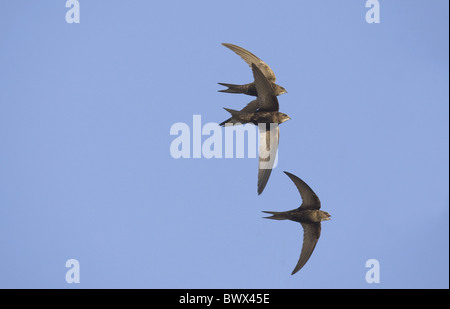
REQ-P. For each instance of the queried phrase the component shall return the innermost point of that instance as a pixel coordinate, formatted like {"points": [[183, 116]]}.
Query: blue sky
{"points": [[86, 171]]}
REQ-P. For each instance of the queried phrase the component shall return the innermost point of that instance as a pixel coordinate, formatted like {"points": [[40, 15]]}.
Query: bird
{"points": [[308, 215], [250, 89], [263, 112]]}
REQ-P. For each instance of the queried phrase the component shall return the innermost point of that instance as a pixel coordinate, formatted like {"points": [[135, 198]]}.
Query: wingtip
{"points": [[295, 270], [290, 175], [260, 190], [227, 45]]}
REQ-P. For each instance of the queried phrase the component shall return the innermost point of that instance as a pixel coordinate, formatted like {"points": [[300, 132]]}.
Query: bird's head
{"points": [[324, 216], [280, 90], [283, 117]]}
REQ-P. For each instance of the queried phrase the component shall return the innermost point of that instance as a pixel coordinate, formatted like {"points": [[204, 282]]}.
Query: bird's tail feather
{"points": [[233, 112], [237, 117], [229, 120], [231, 88], [277, 215]]}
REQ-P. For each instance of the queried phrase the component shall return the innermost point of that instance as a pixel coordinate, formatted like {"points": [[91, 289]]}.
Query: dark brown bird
{"points": [[264, 113], [308, 215], [250, 89]]}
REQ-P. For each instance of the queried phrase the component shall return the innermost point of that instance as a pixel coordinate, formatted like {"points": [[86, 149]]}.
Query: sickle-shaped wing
{"points": [[310, 199], [311, 234], [268, 146], [267, 99], [250, 58]]}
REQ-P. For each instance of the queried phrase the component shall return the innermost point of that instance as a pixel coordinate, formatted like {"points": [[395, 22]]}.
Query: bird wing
{"points": [[266, 96], [251, 107], [311, 234], [310, 199], [268, 146], [250, 58]]}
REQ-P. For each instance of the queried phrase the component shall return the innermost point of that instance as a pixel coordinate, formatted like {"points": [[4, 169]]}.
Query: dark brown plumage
{"points": [[308, 215], [264, 113], [251, 89]]}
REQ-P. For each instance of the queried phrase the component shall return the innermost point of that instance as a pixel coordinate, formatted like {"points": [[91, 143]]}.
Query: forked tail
{"points": [[277, 215], [232, 88]]}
